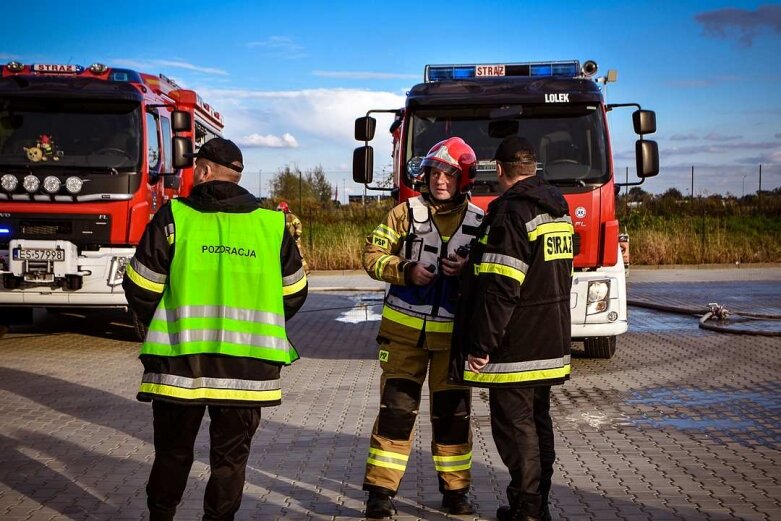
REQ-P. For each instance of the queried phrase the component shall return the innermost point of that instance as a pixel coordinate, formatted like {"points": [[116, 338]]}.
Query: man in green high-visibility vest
{"points": [[214, 279]]}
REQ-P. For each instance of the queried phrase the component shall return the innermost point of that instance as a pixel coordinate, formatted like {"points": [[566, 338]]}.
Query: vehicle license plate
{"points": [[39, 254]]}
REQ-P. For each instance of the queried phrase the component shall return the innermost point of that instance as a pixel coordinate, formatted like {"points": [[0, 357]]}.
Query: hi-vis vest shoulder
{"points": [[223, 297], [430, 308]]}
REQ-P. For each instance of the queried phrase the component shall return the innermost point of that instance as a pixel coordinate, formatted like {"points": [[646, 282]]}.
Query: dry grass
{"points": [[333, 239]]}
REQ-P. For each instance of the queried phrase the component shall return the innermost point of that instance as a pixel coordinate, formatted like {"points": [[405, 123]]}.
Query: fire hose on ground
{"points": [[714, 316]]}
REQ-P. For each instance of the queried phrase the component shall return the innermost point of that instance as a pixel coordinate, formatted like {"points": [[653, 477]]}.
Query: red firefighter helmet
{"points": [[453, 156], [283, 207]]}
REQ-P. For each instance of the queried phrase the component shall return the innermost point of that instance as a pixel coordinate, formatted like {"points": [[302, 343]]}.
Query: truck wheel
{"points": [[600, 346], [138, 326]]}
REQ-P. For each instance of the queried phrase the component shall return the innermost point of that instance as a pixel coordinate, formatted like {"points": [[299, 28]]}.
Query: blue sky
{"points": [[290, 77]]}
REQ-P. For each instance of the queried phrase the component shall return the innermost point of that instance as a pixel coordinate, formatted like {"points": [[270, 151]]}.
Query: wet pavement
{"points": [[682, 423]]}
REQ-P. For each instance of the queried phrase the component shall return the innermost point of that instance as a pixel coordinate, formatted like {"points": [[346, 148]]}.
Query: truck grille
{"points": [[46, 229]]}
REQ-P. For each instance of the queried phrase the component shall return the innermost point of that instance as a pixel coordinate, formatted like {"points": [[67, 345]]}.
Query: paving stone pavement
{"points": [[681, 424]]}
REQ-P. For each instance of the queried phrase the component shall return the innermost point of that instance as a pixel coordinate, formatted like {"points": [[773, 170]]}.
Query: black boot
{"points": [[456, 503], [523, 507], [379, 506], [506, 513], [545, 512]]}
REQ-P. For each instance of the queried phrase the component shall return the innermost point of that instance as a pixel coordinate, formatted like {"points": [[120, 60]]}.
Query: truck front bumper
{"points": [[52, 282]]}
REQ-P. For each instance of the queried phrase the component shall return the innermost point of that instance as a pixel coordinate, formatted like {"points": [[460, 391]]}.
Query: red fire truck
{"points": [[560, 109], [87, 156]]}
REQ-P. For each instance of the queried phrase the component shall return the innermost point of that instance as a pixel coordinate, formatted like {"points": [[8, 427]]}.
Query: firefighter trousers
{"points": [[404, 369], [175, 429], [523, 432]]}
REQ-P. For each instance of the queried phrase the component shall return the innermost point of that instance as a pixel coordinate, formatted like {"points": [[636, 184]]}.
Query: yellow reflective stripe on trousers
{"points": [[500, 269], [142, 282], [432, 326], [526, 376], [212, 394], [453, 463], [389, 460]]}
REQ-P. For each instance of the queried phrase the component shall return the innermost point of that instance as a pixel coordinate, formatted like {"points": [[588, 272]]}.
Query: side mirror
{"points": [[644, 121], [363, 164], [364, 128], [181, 121], [647, 155], [181, 147]]}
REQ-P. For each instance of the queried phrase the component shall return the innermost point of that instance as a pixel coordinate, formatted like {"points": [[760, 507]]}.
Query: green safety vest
{"points": [[223, 297]]}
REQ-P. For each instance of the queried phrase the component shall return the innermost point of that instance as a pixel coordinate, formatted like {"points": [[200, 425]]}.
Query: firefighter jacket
{"points": [[419, 231], [294, 226], [214, 279], [514, 300]]}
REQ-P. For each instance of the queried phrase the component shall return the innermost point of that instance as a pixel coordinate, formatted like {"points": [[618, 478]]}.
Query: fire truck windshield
{"points": [[70, 133], [570, 141]]}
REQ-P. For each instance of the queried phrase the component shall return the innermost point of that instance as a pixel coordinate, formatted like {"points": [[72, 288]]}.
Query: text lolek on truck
{"points": [[559, 107], [87, 156]]}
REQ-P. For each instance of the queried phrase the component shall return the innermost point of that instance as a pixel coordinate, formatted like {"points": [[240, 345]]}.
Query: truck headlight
{"points": [[597, 296], [73, 184], [31, 183], [117, 273], [52, 184], [9, 182]]}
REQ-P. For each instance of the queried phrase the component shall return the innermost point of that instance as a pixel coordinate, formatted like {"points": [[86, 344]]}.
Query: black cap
{"points": [[221, 151], [515, 149]]}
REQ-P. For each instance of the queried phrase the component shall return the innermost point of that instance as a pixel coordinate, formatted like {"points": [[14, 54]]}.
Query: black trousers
{"points": [[523, 432], [175, 429]]}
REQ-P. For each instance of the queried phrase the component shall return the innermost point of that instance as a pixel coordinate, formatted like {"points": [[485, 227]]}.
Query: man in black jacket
{"points": [[512, 330], [213, 279]]}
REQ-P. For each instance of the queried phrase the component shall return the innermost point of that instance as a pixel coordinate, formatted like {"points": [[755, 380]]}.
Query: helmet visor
{"points": [[432, 163]]}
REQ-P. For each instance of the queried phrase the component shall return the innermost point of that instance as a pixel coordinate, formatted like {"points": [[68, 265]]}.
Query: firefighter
{"points": [[215, 312], [513, 336], [415, 251], [295, 228]]}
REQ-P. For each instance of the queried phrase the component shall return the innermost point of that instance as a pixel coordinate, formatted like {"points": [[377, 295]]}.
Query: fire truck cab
{"points": [[560, 109], [87, 156]]}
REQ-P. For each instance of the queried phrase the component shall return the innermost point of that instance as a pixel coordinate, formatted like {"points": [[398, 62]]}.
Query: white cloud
{"points": [[176, 64], [683, 137], [364, 75], [327, 114], [715, 136], [280, 47], [268, 141]]}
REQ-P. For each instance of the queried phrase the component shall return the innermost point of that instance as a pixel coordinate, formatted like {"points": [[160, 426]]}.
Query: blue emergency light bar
{"points": [[5, 231], [495, 70]]}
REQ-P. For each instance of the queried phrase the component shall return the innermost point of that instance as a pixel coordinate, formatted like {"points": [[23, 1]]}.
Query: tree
{"points": [[311, 188], [285, 184], [672, 194], [637, 194], [320, 187]]}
